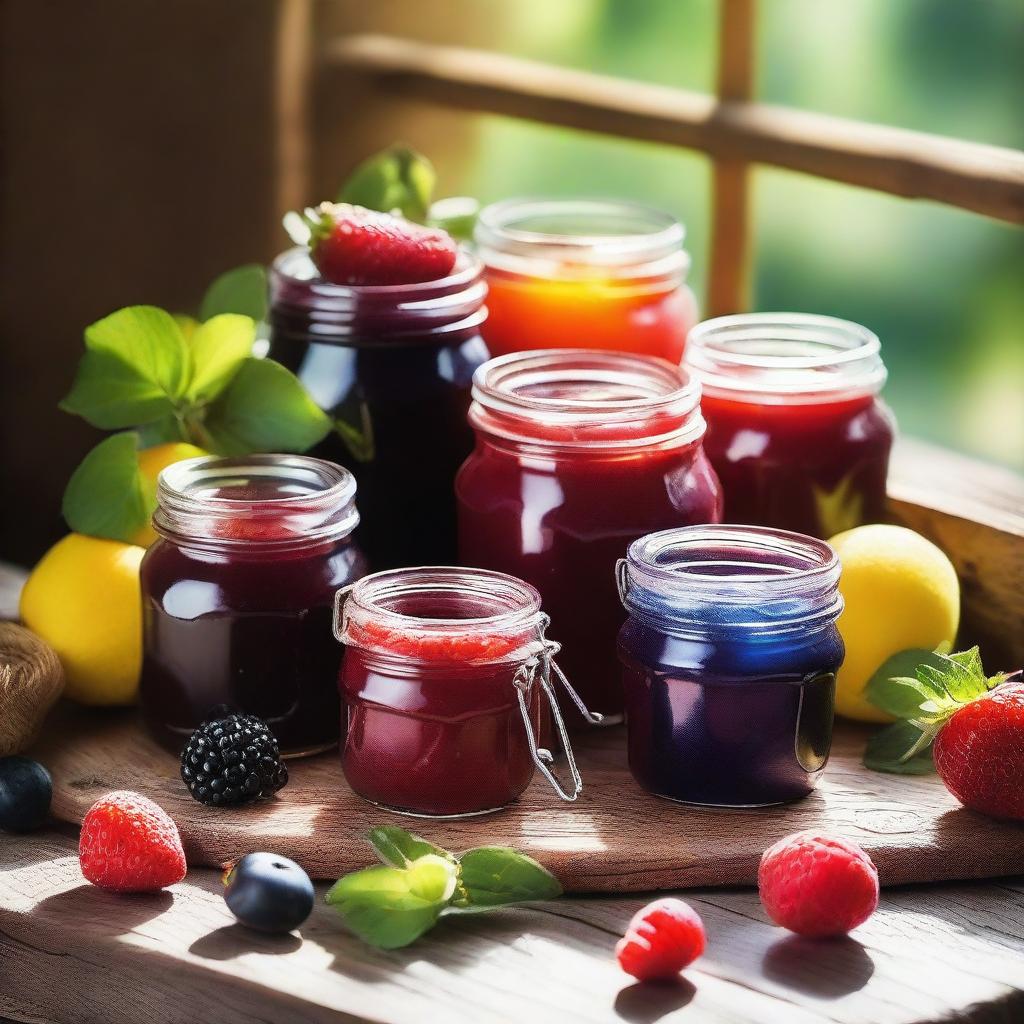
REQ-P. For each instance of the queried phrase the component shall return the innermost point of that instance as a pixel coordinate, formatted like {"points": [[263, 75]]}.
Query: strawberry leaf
{"points": [[895, 689], [135, 368], [398, 178], [264, 408], [219, 346], [242, 290], [900, 749], [107, 495]]}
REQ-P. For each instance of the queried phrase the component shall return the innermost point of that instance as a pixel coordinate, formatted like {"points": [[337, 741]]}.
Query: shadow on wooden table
{"points": [[647, 1002], [822, 968]]}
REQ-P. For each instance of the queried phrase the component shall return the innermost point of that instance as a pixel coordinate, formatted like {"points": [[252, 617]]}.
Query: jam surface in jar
{"points": [[578, 454], [392, 365], [238, 594], [434, 723], [796, 432], [585, 274], [729, 657]]}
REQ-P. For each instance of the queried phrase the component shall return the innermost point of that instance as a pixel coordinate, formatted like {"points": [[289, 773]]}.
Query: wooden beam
{"points": [[292, 90], [985, 179], [728, 286]]}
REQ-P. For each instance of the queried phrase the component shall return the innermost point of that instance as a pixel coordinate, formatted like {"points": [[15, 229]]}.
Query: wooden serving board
{"points": [[615, 838]]}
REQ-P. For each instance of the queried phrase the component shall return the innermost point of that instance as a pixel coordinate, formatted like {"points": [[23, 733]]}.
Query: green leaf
{"points": [[960, 675], [399, 848], [457, 215], [219, 346], [169, 428], [896, 688], [136, 366], [107, 496], [900, 749], [399, 179], [264, 408], [494, 876], [391, 907], [358, 440], [242, 290]]}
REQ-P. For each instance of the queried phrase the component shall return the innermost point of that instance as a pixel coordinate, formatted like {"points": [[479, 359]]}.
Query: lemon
{"points": [[83, 599], [151, 462], [901, 591]]}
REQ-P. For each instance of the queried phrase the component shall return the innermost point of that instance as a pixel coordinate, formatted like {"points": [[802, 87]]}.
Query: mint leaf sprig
{"points": [[923, 690], [392, 904]]}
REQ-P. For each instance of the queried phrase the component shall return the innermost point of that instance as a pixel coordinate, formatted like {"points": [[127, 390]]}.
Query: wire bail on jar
{"points": [[537, 669]]}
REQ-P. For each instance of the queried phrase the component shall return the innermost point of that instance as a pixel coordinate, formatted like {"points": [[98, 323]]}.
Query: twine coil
{"points": [[31, 680]]}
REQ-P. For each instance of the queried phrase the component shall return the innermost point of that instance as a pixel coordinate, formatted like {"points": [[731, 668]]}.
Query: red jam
{"points": [[795, 431], [434, 725], [579, 454], [584, 274], [238, 592]]}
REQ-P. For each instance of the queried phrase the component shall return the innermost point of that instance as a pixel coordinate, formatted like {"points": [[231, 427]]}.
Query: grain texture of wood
{"points": [[975, 513], [615, 838], [729, 285], [973, 176], [72, 954]]}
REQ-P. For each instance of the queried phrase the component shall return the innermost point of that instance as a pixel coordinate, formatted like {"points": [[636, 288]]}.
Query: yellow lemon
{"points": [[151, 462], [901, 591], [83, 599]]}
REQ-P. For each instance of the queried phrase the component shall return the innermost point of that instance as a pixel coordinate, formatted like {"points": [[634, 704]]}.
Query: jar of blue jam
{"points": [[729, 658]]}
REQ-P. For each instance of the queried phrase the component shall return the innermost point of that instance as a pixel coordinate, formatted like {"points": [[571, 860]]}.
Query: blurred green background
{"points": [[943, 289]]}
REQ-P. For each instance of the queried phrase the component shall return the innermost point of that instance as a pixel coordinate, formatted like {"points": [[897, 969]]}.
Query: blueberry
{"points": [[25, 793], [269, 893]]}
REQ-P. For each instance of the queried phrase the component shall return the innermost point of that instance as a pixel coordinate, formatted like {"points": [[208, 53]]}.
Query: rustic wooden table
{"points": [[72, 953]]}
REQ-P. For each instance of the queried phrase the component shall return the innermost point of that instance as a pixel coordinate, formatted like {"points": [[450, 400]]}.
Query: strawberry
{"points": [[973, 723], [979, 753], [353, 245], [817, 885], [129, 844], [662, 938]]}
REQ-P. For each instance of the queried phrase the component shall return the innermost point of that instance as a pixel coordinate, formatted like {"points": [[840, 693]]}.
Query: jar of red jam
{"points": [[578, 454], [238, 592], [392, 365], [796, 430], [442, 680], [585, 274]]}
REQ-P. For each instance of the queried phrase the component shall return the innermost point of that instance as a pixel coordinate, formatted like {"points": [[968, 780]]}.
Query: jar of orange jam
{"points": [[595, 274]]}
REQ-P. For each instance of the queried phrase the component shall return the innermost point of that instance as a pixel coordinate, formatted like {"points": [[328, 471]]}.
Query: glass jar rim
{"points": [[554, 238], [321, 507], [301, 300], [532, 389], [786, 580], [785, 357]]}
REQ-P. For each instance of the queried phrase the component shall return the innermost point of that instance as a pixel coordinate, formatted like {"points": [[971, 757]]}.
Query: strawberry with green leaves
{"points": [[355, 246], [971, 725]]}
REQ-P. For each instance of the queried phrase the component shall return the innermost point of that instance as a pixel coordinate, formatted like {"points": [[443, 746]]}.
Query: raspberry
{"points": [[352, 245], [129, 844], [817, 885], [662, 939]]}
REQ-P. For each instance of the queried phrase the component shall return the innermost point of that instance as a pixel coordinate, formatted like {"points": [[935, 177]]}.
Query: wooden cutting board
{"points": [[615, 838]]}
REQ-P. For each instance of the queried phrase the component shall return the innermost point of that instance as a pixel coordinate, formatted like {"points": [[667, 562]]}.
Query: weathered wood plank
{"points": [[615, 838], [71, 953], [986, 179]]}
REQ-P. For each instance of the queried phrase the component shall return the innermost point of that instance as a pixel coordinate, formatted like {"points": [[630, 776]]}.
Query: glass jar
{"points": [[593, 274], [796, 431], [237, 596], [441, 681], [729, 658], [392, 366], [578, 454]]}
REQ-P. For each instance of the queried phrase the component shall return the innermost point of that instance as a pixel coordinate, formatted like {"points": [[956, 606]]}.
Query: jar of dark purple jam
{"points": [[729, 658], [238, 592], [393, 367]]}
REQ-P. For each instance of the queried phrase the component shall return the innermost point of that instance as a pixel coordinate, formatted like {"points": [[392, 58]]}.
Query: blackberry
{"points": [[232, 760]]}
